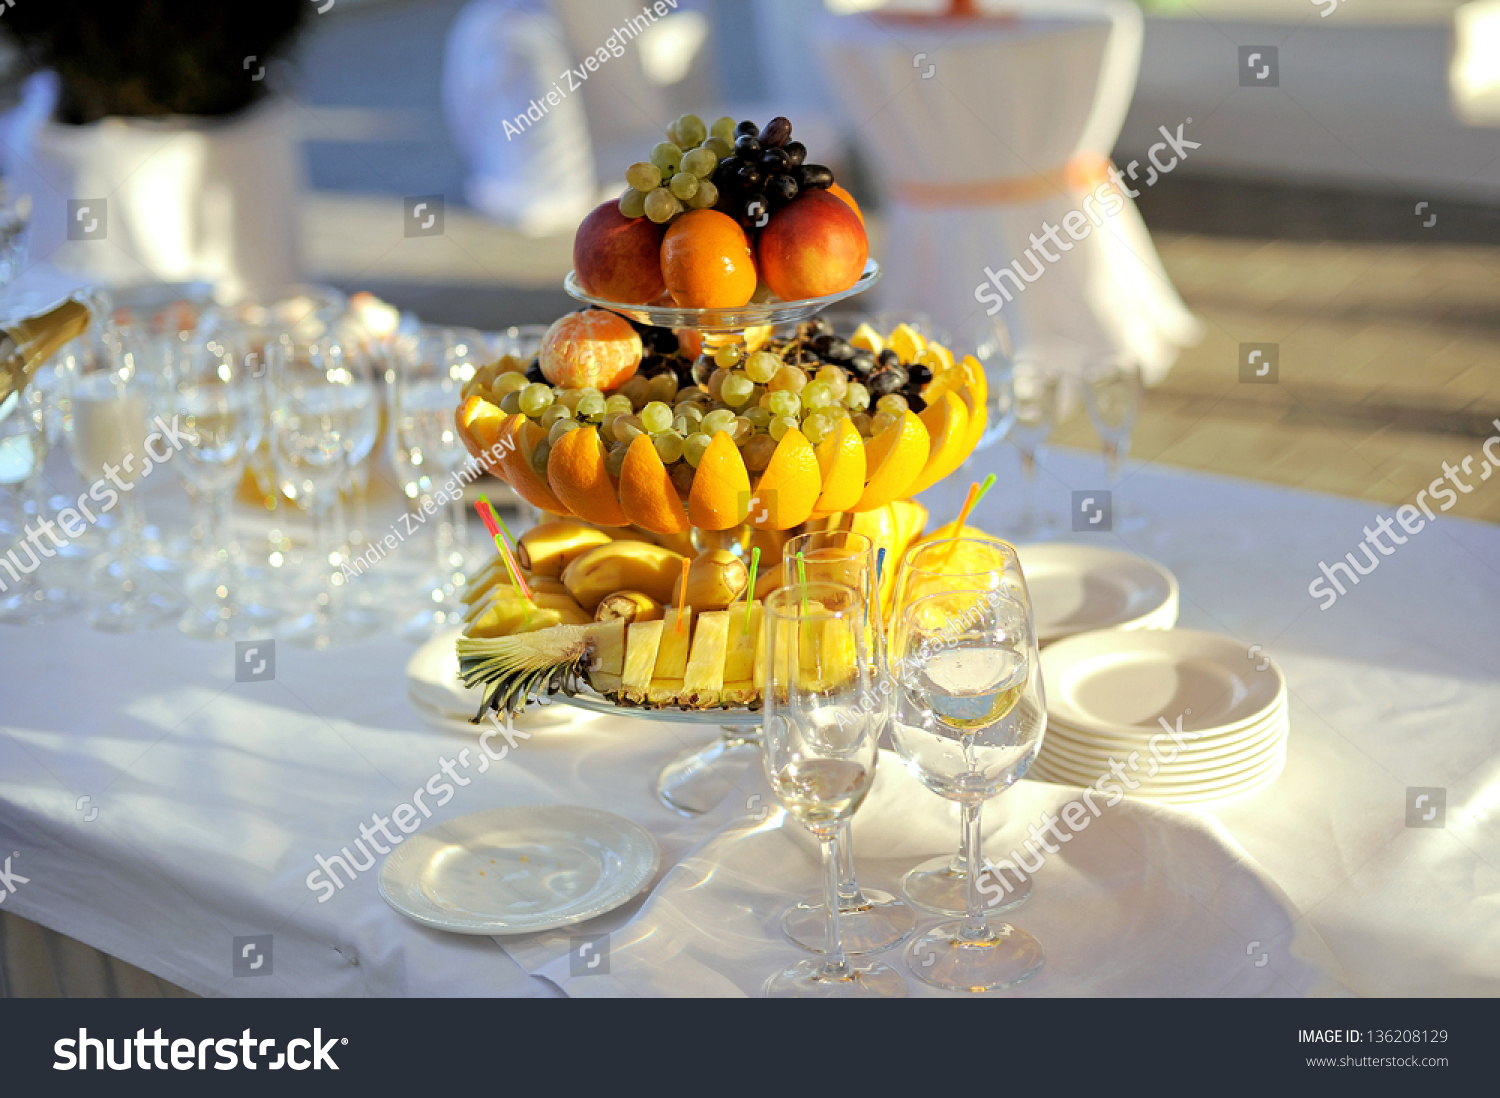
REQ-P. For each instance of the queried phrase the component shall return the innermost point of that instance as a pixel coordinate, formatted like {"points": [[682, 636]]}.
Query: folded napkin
{"points": [[1140, 899]]}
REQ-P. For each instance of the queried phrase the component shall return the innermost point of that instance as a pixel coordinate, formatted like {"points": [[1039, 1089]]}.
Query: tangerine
{"points": [[707, 262]]}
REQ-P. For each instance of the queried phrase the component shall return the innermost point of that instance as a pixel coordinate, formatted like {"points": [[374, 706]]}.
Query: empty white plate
{"points": [[1120, 683], [1081, 588], [518, 870], [437, 693]]}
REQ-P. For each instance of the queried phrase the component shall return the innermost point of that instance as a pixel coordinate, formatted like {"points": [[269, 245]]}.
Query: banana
{"points": [[622, 566], [629, 606], [715, 579], [503, 607], [493, 586], [547, 549]]}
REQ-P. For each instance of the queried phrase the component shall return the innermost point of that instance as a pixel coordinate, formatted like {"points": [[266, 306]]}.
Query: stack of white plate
{"points": [[1108, 694], [1081, 588]]}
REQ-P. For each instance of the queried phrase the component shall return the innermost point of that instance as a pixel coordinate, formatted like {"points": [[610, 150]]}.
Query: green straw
{"points": [[989, 482], [750, 591], [802, 580]]}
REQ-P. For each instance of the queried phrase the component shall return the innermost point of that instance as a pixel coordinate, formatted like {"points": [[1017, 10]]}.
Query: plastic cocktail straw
{"points": [[750, 590], [487, 516], [682, 598], [975, 491], [802, 580], [879, 566], [989, 482]]}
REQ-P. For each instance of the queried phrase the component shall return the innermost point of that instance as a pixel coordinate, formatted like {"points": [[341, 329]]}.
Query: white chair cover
{"points": [[1011, 130]]}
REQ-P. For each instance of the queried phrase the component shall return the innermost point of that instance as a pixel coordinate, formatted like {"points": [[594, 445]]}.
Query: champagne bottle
{"points": [[26, 344]]}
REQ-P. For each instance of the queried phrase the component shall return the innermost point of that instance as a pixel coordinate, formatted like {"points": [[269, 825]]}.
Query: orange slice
{"points": [[577, 474], [646, 493], [721, 486], [977, 381], [841, 466], [896, 457], [479, 423], [786, 492], [947, 424], [518, 438]]}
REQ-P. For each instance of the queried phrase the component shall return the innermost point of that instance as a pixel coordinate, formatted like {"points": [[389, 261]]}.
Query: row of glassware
{"points": [[281, 403]]}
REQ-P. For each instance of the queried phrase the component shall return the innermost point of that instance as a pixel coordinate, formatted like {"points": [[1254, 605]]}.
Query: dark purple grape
{"points": [[774, 161], [534, 371], [817, 326], [814, 177], [889, 357], [746, 127], [750, 177], [887, 380], [915, 402], [862, 364], [821, 341], [725, 170], [747, 148], [838, 350], [797, 151], [781, 189], [920, 375], [776, 132]]}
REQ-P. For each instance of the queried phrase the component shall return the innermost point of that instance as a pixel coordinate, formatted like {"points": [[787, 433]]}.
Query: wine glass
{"points": [[23, 453], [1033, 399], [820, 743], [1112, 392], [221, 411], [970, 715], [973, 562], [431, 366], [322, 397], [869, 919], [112, 385]]}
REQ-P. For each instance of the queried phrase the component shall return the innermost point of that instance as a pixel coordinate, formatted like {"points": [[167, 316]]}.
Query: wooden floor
{"points": [[1389, 367]]}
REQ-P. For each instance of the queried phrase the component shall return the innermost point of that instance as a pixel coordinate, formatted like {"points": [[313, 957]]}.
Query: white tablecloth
{"points": [[213, 797]]}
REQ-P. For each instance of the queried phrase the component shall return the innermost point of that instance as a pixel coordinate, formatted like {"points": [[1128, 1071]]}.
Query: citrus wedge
{"points": [[786, 492], [721, 486], [866, 338], [576, 472], [896, 457], [518, 438], [974, 372], [841, 467], [947, 423], [646, 493], [907, 342], [479, 423]]}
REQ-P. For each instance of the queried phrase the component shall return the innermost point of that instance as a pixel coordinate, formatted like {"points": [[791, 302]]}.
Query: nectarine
{"points": [[618, 258], [814, 245]]}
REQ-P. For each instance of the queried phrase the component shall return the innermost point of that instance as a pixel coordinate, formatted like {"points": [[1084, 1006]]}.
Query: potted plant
{"points": [[149, 142]]}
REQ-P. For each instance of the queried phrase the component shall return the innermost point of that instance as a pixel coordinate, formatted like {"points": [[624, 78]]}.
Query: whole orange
{"points": [[706, 261], [847, 198]]}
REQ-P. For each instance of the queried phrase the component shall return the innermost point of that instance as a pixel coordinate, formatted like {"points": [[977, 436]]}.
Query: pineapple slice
{"points": [[506, 616], [671, 657], [740, 686], [703, 680], [641, 643], [607, 665], [569, 612]]}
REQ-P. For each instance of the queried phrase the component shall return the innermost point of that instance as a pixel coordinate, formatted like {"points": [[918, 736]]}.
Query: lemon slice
{"points": [[907, 343], [866, 338]]}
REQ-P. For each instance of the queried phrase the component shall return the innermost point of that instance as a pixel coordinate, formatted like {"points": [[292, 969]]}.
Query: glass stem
{"points": [[960, 863], [216, 506], [834, 962], [1028, 481], [850, 898], [132, 532], [28, 579], [1112, 464], [974, 928], [325, 519]]}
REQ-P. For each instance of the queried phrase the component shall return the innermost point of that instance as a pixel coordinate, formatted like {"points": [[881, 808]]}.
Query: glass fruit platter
{"points": [[731, 321]]}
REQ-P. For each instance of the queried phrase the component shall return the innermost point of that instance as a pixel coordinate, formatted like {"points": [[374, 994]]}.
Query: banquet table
{"points": [[158, 809]]}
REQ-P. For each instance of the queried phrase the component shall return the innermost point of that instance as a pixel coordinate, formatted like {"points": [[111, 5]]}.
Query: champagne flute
{"points": [[970, 714], [323, 394], [431, 367], [978, 562], [111, 390], [869, 919], [1033, 411], [221, 411], [1112, 392], [23, 452], [820, 744]]}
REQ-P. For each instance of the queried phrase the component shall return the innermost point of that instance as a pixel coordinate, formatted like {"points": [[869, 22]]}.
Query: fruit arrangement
{"points": [[721, 216], [634, 619], [620, 424]]}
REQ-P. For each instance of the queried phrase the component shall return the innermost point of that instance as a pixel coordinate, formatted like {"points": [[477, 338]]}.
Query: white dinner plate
{"points": [[1201, 747], [1263, 773], [1185, 764], [1118, 683], [1081, 588], [519, 869]]}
